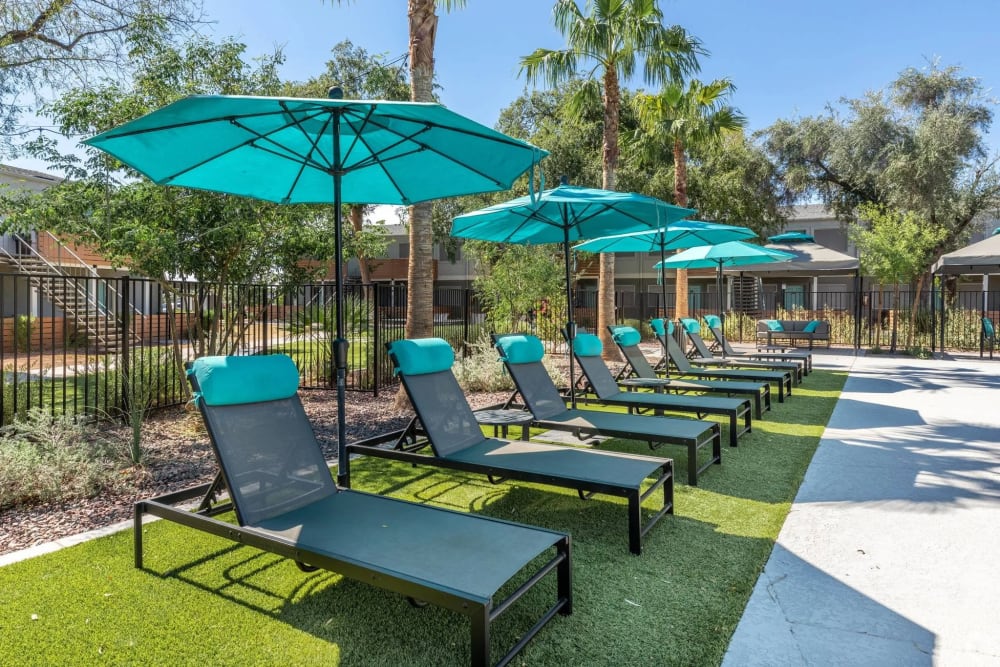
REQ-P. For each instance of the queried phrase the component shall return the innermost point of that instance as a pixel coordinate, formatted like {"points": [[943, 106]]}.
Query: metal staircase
{"points": [[747, 296], [70, 292]]}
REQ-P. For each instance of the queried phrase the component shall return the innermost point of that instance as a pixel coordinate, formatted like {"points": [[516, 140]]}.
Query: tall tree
{"points": [[57, 44], [612, 37], [918, 146], [674, 120]]}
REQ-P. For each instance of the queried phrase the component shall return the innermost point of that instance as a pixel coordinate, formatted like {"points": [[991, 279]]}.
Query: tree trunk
{"points": [[358, 221], [681, 199], [606, 273], [419, 272], [911, 334]]}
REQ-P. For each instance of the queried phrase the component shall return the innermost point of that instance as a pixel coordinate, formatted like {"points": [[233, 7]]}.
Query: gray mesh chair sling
{"points": [[522, 356], [287, 503], [702, 356], [587, 349], [457, 441], [639, 373], [781, 379], [715, 326]]}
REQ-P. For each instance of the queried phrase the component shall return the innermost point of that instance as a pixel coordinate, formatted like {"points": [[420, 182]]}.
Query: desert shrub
{"points": [[23, 329], [482, 370], [45, 458], [15, 399]]}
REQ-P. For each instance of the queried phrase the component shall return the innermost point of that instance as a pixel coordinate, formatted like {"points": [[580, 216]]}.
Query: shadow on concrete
{"points": [[800, 615]]}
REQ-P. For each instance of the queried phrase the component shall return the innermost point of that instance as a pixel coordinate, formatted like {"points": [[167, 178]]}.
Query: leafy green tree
{"points": [[58, 44], [512, 280], [611, 38], [895, 247], [918, 145], [676, 119], [163, 232]]}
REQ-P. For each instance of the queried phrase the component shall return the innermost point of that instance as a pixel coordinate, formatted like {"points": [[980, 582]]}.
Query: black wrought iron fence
{"points": [[96, 347]]}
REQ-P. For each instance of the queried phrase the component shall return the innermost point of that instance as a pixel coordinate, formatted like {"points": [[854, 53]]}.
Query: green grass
{"points": [[202, 599]]}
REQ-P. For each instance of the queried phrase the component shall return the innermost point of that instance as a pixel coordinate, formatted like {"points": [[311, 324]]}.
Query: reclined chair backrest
{"points": [[675, 354], [587, 349], [627, 339], [698, 341], [715, 326], [262, 438], [522, 355], [424, 366]]}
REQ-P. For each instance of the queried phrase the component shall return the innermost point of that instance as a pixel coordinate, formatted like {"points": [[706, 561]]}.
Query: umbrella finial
{"points": [[335, 93]]}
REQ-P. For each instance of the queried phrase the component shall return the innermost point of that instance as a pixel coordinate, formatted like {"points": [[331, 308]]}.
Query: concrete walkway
{"points": [[890, 553]]}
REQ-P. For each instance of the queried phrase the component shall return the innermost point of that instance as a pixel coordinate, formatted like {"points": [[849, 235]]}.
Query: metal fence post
{"points": [[124, 346], [376, 356], [466, 307]]}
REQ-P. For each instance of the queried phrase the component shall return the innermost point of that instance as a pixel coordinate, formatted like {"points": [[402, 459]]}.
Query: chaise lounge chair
{"points": [[639, 373], [715, 326], [781, 379], [701, 356], [457, 441], [522, 356], [287, 503], [587, 349]]}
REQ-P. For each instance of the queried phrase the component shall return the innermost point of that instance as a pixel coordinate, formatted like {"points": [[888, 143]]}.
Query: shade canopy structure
{"points": [[566, 214], [731, 253], [320, 151], [982, 257], [810, 258], [676, 236]]}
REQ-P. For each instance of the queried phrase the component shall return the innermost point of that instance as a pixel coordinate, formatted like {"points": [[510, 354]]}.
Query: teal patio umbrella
{"points": [[731, 253], [320, 151], [677, 235], [565, 214]]}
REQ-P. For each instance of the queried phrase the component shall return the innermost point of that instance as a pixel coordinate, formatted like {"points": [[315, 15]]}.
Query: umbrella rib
{"points": [[501, 139], [313, 141]]}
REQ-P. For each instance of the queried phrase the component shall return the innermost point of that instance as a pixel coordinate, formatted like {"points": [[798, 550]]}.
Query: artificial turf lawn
{"points": [[203, 600]]}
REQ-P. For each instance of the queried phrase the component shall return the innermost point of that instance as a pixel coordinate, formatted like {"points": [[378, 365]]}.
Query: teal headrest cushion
{"points": [[419, 356], [236, 380], [690, 325], [774, 325], [713, 321], [587, 345], [988, 327], [657, 325], [520, 348], [811, 326], [626, 336]]}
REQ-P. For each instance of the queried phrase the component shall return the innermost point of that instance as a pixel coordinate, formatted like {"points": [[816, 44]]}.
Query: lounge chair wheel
{"points": [[305, 567], [414, 602]]}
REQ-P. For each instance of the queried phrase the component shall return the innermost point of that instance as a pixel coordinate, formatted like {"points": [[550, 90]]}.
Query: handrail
{"points": [[93, 272]]}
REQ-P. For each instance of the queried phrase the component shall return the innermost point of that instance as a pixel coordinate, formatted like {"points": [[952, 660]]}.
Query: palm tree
{"points": [[676, 119], [612, 36]]}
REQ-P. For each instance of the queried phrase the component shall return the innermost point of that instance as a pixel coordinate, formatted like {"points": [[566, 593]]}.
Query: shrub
{"points": [[23, 326], [15, 398], [44, 458], [482, 370]]}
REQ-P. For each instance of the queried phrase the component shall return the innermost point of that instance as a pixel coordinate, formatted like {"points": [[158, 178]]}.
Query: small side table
{"points": [[501, 420]]}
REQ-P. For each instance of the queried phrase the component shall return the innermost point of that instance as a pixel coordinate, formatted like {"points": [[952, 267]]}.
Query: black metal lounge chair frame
{"points": [[701, 356], [673, 354], [481, 611], [407, 442], [709, 435], [608, 393], [805, 358], [638, 372]]}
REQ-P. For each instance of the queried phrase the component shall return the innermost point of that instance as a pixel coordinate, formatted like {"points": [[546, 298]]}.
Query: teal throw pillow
{"points": [[774, 325], [811, 327]]}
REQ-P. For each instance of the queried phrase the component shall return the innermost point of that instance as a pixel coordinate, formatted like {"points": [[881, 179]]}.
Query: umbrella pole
{"points": [[570, 324], [663, 292], [722, 307], [340, 343]]}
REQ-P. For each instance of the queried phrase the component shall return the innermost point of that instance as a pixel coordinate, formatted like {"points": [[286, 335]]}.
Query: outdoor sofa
{"points": [[721, 343], [772, 333], [287, 503], [701, 355]]}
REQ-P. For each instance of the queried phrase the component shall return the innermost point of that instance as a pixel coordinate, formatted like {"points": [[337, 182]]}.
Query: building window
{"points": [[404, 250]]}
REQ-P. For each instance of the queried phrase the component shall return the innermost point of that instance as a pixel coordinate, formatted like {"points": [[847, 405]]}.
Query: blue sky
{"points": [[788, 58]]}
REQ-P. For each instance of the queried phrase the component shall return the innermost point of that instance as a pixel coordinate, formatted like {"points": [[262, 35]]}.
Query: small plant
{"points": [[23, 326], [46, 458], [151, 374], [483, 371], [14, 397]]}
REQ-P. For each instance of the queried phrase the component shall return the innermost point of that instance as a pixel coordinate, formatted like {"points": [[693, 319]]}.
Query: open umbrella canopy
{"points": [[312, 151], [810, 258], [288, 150], [566, 214], [674, 236], [732, 253]]}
